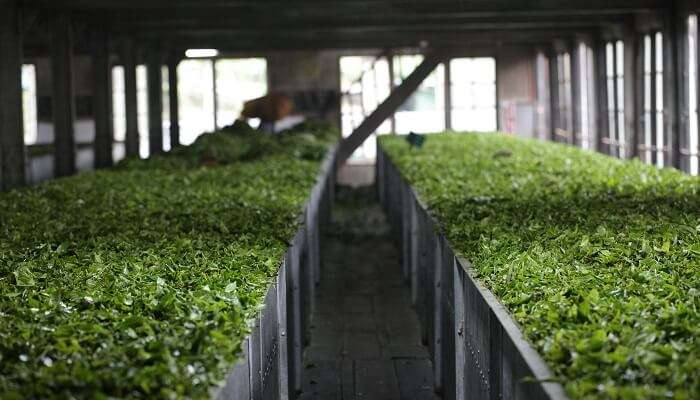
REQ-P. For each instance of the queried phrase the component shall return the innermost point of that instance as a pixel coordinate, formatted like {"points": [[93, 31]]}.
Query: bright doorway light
{"points": [[201, 53]]}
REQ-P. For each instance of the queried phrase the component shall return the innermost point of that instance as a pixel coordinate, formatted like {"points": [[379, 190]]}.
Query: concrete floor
{"points": [[365, 341]]}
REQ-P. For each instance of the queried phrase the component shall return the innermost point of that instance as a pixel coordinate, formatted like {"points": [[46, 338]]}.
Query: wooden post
{"points": [[63, 94], [174, 105], [554, 94], [155, 103], [12, 150], [576, 120], [131, 104], [389, 105], [102, 99]]}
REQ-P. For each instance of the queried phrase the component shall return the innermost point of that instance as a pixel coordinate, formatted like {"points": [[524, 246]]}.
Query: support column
{"points": [[676, 122], [631, 95], [389, 105], [102, 99], [174, 105], [654, 110], [448, 96], [12, 150], [602, 94], [155, 103], [576, 120], [63, 99], [390, 61], [638, 138], [554, 94], [131, 108]]}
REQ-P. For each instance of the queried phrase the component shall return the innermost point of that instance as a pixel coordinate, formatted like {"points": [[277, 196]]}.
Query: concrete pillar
{"points": [[63, 94], [102, 99], [131, 108], [174, 105], [155, 103], [12, 150]]}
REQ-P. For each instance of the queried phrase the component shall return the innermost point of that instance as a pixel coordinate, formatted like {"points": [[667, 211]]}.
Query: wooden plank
{"points": [[63, 98], [131, 106], [102, 99], [155, 103], [12, 150], [174, 105], [389, 106]]}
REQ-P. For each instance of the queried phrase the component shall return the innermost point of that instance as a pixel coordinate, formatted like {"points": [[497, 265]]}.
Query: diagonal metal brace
{"points": [[397, 97]]}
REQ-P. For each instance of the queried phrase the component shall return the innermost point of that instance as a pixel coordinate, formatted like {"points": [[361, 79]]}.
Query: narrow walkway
{"points": [[365, 341]]}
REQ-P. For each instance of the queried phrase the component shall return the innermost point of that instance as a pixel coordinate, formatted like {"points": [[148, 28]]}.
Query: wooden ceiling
{"points": [[250, 25]]}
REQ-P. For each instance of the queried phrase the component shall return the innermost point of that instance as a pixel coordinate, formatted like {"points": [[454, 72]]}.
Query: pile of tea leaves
{"points": [[141, 281], [597, 259]]}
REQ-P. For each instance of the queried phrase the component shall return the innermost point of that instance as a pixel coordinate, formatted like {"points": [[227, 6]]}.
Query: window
{"points": [[196, 97], [587, 137], [29, 115], [692, 148], [424, 111], [615, 86], [165, 99], [365, 83], [211, 92], [237, 81], [118, 112], [29, 104], [473, 94], [142, 106], [565, 97], [653, 147]]}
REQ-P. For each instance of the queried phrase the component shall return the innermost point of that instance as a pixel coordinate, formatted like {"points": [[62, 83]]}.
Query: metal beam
{"points": [[12, 150], [155, 103], [130, 96], [102, 99], [63, 98], [397, 97]]}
